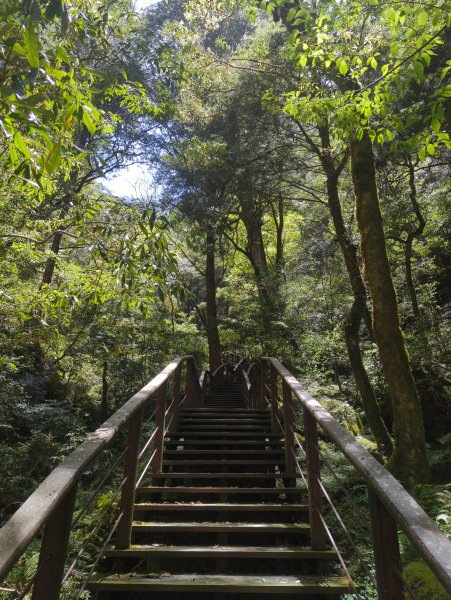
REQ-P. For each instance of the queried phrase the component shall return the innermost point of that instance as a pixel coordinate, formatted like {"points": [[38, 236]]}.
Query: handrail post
{"points": [[386, 550], [160, 425], [261, 385], [193, 395], [275, 428], [53, 552], [176, 398], [288, 421], [244, 390], [317, 534], [124, 527]]}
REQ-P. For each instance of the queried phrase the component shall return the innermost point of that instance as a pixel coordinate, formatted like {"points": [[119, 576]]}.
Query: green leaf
{"points": [[87, 120], [373, 63], [435, 124], [431, 149], [302, 60], [422, 153], [419, 70], [31, 44], [20, 145], [343, 68], [422, 18], [53, 158]]}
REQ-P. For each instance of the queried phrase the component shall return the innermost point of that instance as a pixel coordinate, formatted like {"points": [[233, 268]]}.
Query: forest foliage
{"points": [[254, 118]]}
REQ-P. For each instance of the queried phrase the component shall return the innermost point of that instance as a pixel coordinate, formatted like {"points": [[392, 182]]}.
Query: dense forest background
{"points": [[280, 136]]}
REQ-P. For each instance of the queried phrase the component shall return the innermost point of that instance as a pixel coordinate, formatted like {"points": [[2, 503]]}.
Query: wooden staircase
{"points": [[223, 519]]}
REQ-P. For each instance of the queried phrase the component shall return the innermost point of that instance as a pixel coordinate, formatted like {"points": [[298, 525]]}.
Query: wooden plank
{"points": [[313, 477], [213, 527], [216, 490], [224, 461], [222, 452], [128, 489], [53, 550], [386, 550], [229, 475], [261, 552], [223, 583], [232, 507]]}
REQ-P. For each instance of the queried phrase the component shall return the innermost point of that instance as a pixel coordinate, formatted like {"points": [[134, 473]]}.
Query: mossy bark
{"points": [[214, 345], [359, 310], [409, 459]]}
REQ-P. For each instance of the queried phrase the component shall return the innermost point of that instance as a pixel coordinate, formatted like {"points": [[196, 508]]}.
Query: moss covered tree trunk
{"points": [[409, 459], [359, 310], [214, 345]]}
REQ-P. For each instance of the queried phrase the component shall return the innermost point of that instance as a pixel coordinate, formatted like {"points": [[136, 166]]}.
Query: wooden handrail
{"points": [[25, 524], [385, 489], [221, 367]]}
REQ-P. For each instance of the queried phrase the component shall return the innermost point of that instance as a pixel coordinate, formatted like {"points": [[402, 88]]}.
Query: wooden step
{"points": [[220, 507], [221, 462], [147, 491], [190, 442], [205, 409], [216, 551], [244, 476], [217, 527], [222, 452], [229, 434], [232, 584], [231, 423], [223, 428]]}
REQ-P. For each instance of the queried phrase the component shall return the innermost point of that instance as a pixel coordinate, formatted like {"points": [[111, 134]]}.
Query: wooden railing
{"points": [[391, 507], [265, 384], [51, 506]]}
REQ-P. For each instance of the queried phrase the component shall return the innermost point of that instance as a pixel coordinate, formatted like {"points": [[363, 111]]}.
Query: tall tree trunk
{"points": [[369, 400], [214, 346], [359, 309], [411, 236], [251, 216], [409, 459], [279, 222]]}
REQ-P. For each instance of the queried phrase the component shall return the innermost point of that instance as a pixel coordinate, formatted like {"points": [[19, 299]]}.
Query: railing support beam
{"points": [[261, 389], [124, 528], [53, 552], [288, 420], [160, 425], [386, 550], [317, 533], [193, 392], [176, 398], [275, 427]]}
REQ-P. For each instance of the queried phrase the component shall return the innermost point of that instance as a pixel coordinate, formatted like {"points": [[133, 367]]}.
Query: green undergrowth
{"points": [[434, 499]]}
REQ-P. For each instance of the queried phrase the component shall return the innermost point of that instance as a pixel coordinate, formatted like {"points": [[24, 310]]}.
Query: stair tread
{"points": [[224, 442], [216, 490], [226, 506], [230, 475], [191, 581], [213, 526], [235, 434], [221, 451], [220, 550], [223, 461]]}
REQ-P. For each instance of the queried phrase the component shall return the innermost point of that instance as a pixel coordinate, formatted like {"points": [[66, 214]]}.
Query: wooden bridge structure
{"points": [[222, 493]]}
